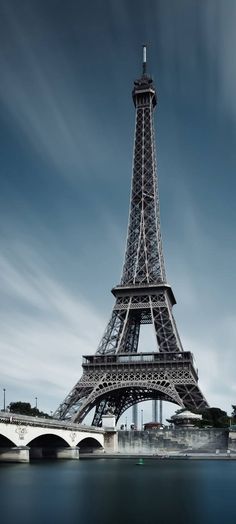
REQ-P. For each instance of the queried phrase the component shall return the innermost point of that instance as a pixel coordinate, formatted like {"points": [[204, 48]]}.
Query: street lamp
{"points": [[4, 399], [126, 427], [141, 419], [36, 402]]}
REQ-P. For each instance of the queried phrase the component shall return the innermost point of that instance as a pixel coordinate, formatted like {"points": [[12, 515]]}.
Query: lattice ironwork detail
{"points": [[143, 297], [118, 385], [145, 308]]}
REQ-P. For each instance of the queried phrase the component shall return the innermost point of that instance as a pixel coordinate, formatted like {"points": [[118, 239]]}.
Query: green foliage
{"points": [[215, 418], [24, 408], [180, 410]]}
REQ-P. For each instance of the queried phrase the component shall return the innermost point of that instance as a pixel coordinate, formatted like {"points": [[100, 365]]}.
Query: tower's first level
{"points": [[113, 383]]}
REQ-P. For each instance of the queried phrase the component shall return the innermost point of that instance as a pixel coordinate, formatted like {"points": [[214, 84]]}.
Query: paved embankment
{"points": [[193, 456]]}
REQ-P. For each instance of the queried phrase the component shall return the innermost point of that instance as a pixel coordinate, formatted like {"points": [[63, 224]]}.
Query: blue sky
{"points": [[66, 127]]}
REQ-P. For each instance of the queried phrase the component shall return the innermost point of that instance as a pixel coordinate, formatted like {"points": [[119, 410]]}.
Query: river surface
{"points": [[103, 491]]}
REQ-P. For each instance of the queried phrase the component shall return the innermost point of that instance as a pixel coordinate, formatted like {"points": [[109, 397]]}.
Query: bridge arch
{"points": [[49, 439], [46, 446], [99, 439], [5, 442], [5, 434], [89, 444], [37, 433]]}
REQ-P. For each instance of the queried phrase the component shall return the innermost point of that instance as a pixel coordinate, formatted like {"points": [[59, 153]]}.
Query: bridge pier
{"points": [[111, 442], [16, 454], [40, 453], [110, 435], [68, 453], [23, 454]]}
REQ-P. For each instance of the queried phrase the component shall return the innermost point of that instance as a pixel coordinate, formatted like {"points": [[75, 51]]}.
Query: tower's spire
{"points": [[144, 60]]}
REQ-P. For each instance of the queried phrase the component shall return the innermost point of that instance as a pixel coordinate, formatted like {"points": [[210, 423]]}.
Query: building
{"points": [[185, 419]]}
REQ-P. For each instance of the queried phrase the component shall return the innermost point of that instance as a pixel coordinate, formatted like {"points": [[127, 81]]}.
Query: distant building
{"points": [[185, 419], [152, 425]]}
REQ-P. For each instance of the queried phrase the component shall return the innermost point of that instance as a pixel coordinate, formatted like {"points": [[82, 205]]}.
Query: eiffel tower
{"points": [[117, 376]]}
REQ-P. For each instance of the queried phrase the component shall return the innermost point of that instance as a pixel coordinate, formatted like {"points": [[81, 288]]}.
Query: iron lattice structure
{"points": [[118, 376]]}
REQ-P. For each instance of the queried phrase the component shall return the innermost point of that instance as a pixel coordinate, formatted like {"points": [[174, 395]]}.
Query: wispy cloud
{"points": [[48, 102], [56, 106], [43, 339], [220, 41]]}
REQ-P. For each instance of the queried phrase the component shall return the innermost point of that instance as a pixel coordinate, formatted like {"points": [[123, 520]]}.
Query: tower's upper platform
{"points": [[144, 85]]}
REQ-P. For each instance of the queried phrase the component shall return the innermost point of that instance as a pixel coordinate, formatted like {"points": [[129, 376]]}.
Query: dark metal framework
{"points": [[117, 376]]}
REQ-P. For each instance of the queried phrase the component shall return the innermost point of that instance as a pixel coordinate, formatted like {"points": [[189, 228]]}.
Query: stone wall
{"points": [[173, 440], [111, 441], [232, 441]]}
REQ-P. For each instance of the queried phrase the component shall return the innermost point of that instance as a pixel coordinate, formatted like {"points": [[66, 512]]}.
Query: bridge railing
{"points": [[15, 418]]}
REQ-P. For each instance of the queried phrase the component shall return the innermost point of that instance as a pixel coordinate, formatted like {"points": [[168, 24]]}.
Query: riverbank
{"points": [[185, 456]]}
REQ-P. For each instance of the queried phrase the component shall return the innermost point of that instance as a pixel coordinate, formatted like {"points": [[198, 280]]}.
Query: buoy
{"points": [[140, 462]]}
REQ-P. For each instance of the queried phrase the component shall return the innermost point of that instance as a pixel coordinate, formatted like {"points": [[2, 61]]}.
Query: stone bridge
{"points": [[23, 437]]}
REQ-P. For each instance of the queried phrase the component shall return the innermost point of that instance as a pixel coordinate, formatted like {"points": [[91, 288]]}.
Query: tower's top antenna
{"points": [[144, 59]]}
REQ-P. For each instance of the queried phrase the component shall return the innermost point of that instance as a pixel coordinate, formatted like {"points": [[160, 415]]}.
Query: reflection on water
{"points": [[118, 491]]}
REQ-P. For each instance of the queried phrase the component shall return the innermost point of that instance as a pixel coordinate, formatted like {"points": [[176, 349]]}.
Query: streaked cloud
{"points": [[44, 330], [65, 101]]}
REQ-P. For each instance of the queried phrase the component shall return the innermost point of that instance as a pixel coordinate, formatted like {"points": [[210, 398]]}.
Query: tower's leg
{"points": [[155, 410], [161, 412], [135, 415]]}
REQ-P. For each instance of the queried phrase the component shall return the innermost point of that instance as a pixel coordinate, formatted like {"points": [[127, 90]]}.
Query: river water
{"points": [[116, 491]]}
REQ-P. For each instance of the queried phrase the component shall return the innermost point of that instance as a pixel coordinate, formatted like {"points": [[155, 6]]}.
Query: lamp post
{"points": [[36, 402], [126, 427], [141, 419], [4, 399]]}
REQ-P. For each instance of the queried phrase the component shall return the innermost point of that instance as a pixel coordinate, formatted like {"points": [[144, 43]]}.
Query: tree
{"points": [[180, 410], [214, 417], [24, 408]]}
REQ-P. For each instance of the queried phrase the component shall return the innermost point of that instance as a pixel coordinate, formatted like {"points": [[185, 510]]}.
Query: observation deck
{"points": [[142, 289], [168, 360]]}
